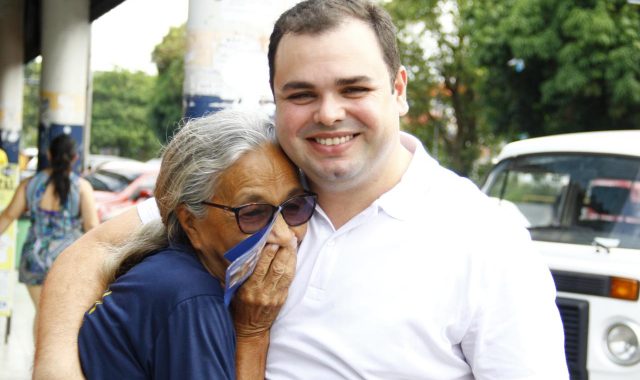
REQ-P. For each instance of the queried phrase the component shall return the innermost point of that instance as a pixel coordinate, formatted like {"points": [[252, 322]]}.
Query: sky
{"points": [[125, 36]]}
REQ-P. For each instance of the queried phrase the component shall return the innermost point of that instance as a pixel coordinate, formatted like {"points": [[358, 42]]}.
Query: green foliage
{"points": [[31, 104], [581, 65], [119, 120], [442, 79], [133, 113], [466, 89], [166, 98]]}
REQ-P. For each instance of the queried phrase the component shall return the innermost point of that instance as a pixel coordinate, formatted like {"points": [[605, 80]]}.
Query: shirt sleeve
{"points": [[148, 210], [198, 342]]}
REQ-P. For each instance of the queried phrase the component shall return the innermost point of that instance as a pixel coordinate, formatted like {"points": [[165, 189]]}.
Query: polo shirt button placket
{"points": [[322, 273]]}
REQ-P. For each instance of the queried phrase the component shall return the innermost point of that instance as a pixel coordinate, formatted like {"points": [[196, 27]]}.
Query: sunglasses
{"points": [[252, 217]]}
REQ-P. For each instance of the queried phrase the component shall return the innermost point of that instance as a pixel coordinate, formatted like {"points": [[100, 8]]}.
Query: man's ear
{"points": [[400, 90], [187, 221]]}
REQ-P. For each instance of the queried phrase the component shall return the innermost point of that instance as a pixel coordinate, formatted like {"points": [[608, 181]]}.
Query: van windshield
{"points": [[573, 198]]}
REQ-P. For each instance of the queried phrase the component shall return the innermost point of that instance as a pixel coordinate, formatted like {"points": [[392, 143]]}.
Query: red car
{"points": [[118, 187]]}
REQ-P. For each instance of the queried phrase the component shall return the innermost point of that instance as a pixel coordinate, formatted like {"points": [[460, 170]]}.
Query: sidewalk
{"points": [[16, 356]]}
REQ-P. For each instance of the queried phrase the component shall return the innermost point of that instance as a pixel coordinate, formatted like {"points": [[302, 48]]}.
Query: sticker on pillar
{"points": [[62, 108], [9, 178], [200, 105], [10, 117], [59, 109]]}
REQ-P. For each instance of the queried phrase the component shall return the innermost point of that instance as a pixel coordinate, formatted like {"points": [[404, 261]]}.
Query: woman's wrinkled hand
{"points": [[258, 301]]}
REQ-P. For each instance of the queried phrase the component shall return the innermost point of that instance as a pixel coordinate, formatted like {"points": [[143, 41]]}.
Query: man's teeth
{"points": [[334, 140]]}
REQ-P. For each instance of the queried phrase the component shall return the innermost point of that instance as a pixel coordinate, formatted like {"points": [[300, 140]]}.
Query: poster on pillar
{"points": [[9, 179], [226, 60], [10, 127], [61, 114]]}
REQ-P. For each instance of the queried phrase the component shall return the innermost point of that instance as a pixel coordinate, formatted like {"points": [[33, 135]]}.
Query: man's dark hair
{"points": [[314, 17]]}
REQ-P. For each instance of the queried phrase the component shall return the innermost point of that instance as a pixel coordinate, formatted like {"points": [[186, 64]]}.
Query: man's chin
{"points": [[335, 179]]}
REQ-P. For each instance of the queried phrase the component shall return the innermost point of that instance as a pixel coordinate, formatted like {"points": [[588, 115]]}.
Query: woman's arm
{"points": [[251, 356], [74, 283], [87, 206], [17, 206]]}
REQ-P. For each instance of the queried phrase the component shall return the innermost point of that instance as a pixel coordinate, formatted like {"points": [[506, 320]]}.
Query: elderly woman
{"points": [[222, 178]]}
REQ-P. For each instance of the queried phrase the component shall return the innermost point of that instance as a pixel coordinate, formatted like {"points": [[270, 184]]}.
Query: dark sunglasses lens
{"points": [[298, 210], [252, 218]]}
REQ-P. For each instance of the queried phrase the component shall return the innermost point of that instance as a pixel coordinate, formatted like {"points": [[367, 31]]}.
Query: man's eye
{"points": [[300, 96], [355, 90]]}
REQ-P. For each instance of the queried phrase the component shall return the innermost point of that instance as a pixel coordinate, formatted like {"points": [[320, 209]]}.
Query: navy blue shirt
{"points": [[164, 319]]}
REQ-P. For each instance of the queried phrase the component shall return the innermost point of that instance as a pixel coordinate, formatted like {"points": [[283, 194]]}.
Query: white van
{"points": [[579, 195]]}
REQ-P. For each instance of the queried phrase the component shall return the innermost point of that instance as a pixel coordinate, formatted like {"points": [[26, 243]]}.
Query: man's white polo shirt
{"points": [[429, 282]]}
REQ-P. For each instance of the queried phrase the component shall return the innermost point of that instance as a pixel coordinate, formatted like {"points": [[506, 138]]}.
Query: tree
{"points": [[166, 99], [574, 65], [120, 121], [133, 113], [442, 95], [31, 104]]}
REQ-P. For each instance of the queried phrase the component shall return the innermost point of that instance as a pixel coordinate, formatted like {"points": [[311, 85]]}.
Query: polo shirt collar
{"points": [[414, 184]]}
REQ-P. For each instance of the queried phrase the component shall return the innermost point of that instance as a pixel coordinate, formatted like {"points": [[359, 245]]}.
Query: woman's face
{"points": [[262, 176]]}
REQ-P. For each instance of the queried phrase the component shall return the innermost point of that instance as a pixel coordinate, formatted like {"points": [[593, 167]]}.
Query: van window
{"points": [[573, 198]]}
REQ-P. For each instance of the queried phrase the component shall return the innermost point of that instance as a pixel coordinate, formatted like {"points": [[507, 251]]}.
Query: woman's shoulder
{"points": [[84, 184], [40, 176], [25, 182], [37, 180], [171, 274]]}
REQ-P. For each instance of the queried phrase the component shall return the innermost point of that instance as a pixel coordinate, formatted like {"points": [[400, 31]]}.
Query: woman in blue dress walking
{"points": [[61, 206]]}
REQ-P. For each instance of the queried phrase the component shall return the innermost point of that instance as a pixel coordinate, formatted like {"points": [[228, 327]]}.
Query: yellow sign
{"points": [[9, 178]]}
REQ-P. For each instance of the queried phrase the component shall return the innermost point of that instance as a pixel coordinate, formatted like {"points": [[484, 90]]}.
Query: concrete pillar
{"points": [[226, 59], [66, 37], [11, 76], [11, 98]]}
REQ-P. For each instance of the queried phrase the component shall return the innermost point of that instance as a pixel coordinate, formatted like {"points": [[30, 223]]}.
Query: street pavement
{"points": [[16, 356]]}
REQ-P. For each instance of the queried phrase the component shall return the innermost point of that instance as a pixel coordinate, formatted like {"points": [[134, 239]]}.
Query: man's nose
{"points": [[330, 111]]}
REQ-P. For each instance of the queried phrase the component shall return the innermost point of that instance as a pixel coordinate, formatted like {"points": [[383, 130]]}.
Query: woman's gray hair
{"points": [[192, 162]]}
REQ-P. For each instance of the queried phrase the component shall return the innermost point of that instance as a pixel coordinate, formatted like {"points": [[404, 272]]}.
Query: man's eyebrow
{"points": [[302, 85], [297, 85], [353, 80]]}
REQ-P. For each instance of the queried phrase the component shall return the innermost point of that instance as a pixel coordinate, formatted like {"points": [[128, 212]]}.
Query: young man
{"points": [[407, 270]]}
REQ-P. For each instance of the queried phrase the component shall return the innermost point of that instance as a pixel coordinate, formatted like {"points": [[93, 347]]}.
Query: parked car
{"points": [[93, 163], [120, 185], [97, 161], [579, 196]]}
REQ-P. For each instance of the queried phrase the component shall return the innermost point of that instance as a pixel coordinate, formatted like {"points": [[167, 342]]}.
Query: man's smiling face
{"points": [[337, 115]]}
